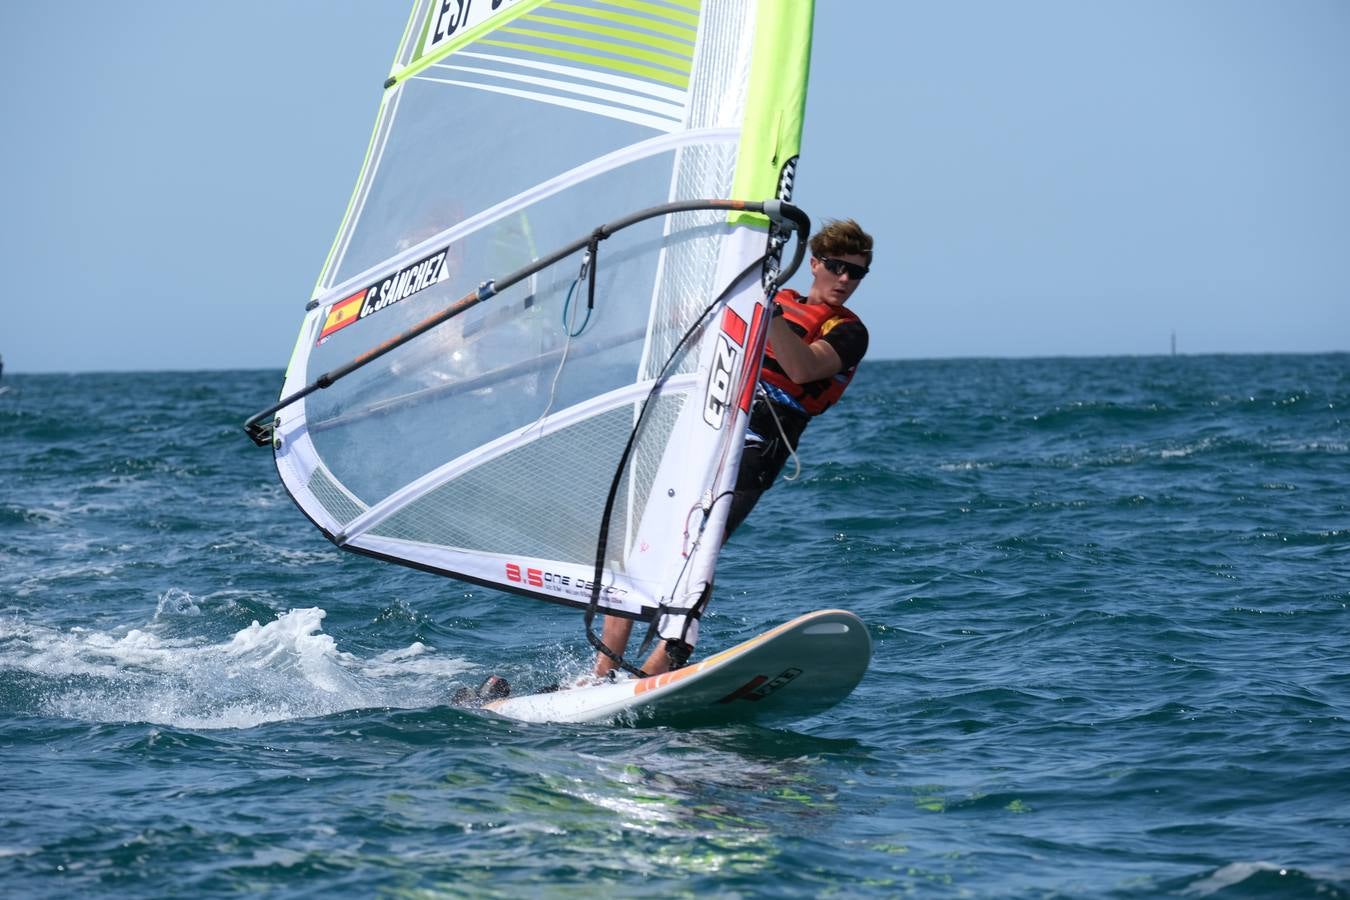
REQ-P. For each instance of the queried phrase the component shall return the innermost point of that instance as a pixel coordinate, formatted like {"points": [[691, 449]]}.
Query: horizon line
{"points": [[888, 359]]}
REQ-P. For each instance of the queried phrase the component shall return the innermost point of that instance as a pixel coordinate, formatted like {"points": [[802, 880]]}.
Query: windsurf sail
{"points": [[531, 351]]}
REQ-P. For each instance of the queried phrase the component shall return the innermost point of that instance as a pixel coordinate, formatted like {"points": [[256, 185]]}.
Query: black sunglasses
{"points": [[839, 267]]}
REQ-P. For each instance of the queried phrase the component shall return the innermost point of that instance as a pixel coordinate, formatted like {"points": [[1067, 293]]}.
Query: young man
{"points": [[815, 345]]}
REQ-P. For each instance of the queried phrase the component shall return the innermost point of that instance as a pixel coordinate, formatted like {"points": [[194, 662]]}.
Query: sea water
{"points": [[1108, 599]]}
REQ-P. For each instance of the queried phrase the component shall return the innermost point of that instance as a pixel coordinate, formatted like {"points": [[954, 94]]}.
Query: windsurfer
{"points": [[815, 345]]}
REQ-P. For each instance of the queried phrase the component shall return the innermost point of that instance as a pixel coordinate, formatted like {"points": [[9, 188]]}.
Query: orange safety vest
{"points": [[817, 319]]}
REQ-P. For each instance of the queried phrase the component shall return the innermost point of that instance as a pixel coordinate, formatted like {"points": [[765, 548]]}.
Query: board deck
{"points": [[796, 670]]}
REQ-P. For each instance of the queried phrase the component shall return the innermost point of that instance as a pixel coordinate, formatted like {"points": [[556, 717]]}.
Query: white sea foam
{"points": [[964, 466], [38, 582], [176, 602], [415, 659], [44, 515], [1229, 875], [271, 553], [287, 668]]}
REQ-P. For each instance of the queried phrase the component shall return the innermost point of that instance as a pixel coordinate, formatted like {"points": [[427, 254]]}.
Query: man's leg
{"points": [[615, 635], [658, 662], [756, 474], [666, 657]]}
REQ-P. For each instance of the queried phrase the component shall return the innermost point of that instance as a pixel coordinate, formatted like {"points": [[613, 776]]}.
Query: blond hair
{"points": [[841, 237]]}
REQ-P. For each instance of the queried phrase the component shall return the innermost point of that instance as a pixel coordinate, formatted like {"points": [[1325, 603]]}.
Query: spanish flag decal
{"points": [[342, 314]]}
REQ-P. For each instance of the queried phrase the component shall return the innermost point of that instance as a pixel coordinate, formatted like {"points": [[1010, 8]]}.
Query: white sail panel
{"points": [[487, 447]]}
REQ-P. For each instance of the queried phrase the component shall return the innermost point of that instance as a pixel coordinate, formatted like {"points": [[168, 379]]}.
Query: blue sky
{"points": [[1047, 177]]}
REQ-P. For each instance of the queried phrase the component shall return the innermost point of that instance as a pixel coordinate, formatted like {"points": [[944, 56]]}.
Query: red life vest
{"points": [[817, 319]]}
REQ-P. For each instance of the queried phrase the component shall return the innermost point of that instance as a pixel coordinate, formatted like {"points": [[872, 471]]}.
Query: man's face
{"points": [[835, 287]]}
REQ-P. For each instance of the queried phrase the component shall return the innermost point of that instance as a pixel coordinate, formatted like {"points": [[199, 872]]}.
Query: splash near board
{"points": [[531, 351]]}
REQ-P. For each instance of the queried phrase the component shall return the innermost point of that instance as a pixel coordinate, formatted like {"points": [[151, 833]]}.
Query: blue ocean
{"points": [[1108, 600]]}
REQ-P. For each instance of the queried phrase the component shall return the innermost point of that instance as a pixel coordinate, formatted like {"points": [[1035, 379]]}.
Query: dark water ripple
{"points": [[1108, 599]]}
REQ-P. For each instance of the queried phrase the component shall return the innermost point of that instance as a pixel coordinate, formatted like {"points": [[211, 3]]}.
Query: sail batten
{"points": [[534, 194], [489, 383], [642, 100], [659, 118], [575, 74]]}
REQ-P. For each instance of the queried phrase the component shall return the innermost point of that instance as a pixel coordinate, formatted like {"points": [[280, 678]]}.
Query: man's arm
{"points": [[802, 362]]}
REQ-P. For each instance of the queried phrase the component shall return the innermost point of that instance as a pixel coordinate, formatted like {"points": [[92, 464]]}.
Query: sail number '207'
{"points": [[718, 396], [722, 379], [453, 17]]}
